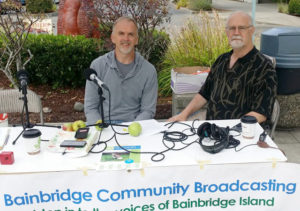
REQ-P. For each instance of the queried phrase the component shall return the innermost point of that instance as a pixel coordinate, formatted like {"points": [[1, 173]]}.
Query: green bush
{"points": [[283, 8], [198, 5], [39, 6], [181, 3], [160, 46], [199, 43], [294, 7], [60, 60]]}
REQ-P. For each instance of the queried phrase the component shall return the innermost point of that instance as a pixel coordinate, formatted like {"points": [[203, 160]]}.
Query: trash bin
{"points": [[283, 44]]}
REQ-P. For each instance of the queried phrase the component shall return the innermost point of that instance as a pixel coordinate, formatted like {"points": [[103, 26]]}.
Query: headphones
{"points": [[219, 135]]}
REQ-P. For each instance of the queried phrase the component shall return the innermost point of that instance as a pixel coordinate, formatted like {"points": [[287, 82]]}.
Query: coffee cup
{"points": [[32, 139], [248, 126]]}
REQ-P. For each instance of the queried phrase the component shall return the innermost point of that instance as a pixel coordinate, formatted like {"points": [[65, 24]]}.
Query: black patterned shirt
{"points": [[250, 85]]}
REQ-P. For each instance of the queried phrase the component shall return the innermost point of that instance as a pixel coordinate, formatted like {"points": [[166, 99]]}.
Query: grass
{"points": [[199, 43]]}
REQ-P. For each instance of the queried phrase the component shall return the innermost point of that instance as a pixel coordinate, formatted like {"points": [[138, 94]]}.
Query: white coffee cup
{"points": [[32, 139], [248, 126]]}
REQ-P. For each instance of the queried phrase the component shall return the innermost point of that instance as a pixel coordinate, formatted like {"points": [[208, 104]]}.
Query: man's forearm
{"points": [[197, 102]]}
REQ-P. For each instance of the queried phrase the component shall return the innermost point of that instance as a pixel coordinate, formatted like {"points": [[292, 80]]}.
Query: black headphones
{"points": [[219, 135]]}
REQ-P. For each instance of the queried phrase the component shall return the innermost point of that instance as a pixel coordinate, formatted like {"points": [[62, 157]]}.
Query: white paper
{"points": [[151, 127]]}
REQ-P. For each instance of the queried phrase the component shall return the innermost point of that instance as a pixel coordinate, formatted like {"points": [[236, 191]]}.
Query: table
{"points": [[189, 179]]}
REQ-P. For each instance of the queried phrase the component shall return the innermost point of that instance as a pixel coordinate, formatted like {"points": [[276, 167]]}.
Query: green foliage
{"points": [[198, 5], [294, 7], [159, 48], [60, 60], [199, 43], [39, 6], [283, 8], [182, 3]]}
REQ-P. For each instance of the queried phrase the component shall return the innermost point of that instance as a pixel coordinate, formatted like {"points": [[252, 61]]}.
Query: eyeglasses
{"points": [[240, 28]]}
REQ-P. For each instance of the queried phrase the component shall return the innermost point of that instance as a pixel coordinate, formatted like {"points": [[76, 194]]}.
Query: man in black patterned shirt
{"points": [[241, 82]]}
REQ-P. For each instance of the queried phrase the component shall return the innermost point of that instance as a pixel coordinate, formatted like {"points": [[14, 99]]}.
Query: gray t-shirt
{"points": [[124, 68]]}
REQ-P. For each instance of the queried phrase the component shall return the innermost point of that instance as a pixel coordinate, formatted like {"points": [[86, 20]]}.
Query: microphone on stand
{"points": [[91, 75], [22, 76]]}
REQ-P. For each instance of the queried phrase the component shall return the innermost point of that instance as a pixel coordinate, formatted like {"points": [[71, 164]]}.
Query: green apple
{"points": [[67, 127], [135, 129], [78, 124], [97, 126]]}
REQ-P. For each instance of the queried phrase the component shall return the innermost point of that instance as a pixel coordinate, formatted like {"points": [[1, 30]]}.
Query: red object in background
{"points": [[73, 18], [3, 116], [7, 158]]}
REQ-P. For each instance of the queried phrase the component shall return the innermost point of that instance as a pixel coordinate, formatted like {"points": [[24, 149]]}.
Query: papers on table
{"points": [[54, 143], [151, 127]]}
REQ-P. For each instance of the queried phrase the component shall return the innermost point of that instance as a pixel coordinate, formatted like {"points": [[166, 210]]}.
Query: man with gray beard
{"points": [[241, 82]]}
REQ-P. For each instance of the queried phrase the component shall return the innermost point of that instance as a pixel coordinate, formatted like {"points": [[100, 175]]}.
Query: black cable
{"points": [[98, 143], [168, 137], [109, 117]]}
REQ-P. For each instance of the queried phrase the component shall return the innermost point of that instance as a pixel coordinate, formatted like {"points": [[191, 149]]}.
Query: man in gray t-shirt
{"points": [[131, 79]]}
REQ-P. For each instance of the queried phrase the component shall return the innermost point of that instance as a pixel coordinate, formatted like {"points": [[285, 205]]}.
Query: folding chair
{"points": [[276, 107], [10, 102], [274, 119]]}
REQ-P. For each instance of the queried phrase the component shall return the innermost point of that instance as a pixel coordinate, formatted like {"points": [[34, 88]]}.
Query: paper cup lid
{"points": [[31, 133], [248, 119]]}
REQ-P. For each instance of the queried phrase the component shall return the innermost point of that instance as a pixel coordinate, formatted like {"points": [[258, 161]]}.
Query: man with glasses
{"points": [[241, 82]]}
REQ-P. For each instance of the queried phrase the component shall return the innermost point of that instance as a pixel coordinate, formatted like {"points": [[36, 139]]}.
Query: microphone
{"points": [[91, 75], [22, 75]]}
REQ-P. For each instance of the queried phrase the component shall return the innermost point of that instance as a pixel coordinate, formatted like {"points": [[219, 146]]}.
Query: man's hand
{"points": [[260, 118], [177, 118], [197, 102]]}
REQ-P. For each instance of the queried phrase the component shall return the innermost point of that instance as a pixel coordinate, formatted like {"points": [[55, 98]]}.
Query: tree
{"points": [[14, 29], [149, 15]]}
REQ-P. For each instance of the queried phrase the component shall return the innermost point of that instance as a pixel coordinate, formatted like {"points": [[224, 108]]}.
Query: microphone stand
{"points": [[27, 123], [100, 92], [103, 124]]}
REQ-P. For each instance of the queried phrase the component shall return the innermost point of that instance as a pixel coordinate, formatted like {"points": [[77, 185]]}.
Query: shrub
{"points": [[39, 6], [294, 7], [198, 5], [181, 3], [283, 8], [161, 41], [199, 43], [60, 60]]}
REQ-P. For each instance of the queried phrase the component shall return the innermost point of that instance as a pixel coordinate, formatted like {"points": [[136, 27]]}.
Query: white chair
{"points": [[10, 101]]}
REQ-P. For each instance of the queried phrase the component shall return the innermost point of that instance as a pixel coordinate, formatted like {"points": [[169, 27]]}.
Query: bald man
{"points": [[241, 82], [131, 79]]}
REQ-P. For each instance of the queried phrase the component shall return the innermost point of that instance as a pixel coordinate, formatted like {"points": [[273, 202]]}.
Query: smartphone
{"points": [[72, 143], [82, 133]]}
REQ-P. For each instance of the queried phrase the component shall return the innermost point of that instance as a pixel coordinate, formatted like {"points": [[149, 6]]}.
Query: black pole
{"points": [[101, 98], [27, 124]]}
